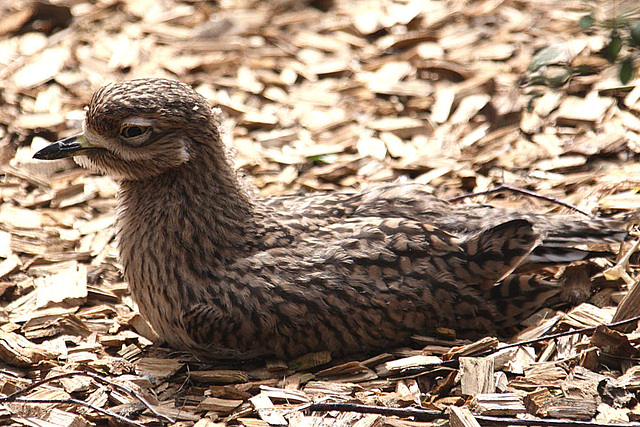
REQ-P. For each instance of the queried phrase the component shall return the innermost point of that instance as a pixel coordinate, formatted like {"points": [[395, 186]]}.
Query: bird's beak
{"points": [[68, 147]]}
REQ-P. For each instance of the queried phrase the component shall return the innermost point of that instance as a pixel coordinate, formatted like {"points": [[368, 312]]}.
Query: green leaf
{"points": [[626, 70], [324, 158], [586, 22], [613, 48]]}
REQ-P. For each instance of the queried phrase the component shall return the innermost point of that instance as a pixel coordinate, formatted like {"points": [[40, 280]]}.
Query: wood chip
{"points": [[222, 406], [462, 417], [16, 350], [219, 376], [68, 287], [476, 375], [498, 404]]}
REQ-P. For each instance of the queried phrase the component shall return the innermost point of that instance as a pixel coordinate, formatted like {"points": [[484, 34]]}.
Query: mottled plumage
{"points": [[223, 274]]}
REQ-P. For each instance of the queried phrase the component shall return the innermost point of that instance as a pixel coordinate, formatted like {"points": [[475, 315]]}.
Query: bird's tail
{"points": [[568, 230], [494, 253], [518, 296]]}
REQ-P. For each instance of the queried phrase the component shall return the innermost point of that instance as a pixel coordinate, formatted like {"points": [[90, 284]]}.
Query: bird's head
{"points": [[138, 129]]}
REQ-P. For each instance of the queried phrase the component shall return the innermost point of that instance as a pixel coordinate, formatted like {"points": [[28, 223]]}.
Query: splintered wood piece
{"points": [[253, 422], [267, 411], [141, 326], [584, 389], [96, 224], [548, 102], [540, 375], [74, 384], [41, 67], [40, 410], [587, 315], [284, 395], [537, 327], [411, 362], [498, 404], [630, 380], [219, 376], [462, 417], [10, 384], [331, 388], [369, 420], [612, 343], [476, 347], [416, 89], [404, 127], [608, 414], [158, 368], [20, 217], [5, 244], [222, 406], [31, 242], [9, 265], [629, 307], [469, 107], [208, 422], [574, 110], [536, 399], [408, 392], [119, 339], [476, 375], [543, 404], [68, 287], [513, 359], [61, 418], [348, 372], [16, 350]]}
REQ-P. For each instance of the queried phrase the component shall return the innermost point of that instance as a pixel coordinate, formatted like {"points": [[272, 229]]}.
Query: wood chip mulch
{"points": [[319, 96]]}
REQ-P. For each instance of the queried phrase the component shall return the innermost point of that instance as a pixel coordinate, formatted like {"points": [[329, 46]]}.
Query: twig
{"points": [[13, 397], [567, 333], [453, 363], [506, 187], [73, 401], [429, 415]]}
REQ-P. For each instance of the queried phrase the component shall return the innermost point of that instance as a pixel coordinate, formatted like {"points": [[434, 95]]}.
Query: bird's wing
{"points": [[561, 233], [362, 280]]}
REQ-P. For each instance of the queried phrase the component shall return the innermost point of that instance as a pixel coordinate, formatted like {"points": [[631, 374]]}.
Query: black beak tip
{"points": [[50, 152]]}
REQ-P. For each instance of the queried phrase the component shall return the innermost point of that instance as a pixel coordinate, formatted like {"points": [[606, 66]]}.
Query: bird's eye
{"points": [[132, 131]]}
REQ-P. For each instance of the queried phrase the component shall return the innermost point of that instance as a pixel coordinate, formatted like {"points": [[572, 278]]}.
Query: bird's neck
{"points": [[200, 205]]}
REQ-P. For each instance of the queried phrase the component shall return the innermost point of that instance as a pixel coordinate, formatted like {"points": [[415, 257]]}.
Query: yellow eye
{"points": [[132, 131]]}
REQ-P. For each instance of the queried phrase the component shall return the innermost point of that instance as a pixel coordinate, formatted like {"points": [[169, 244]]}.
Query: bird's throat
{"points": [[198, 205]]}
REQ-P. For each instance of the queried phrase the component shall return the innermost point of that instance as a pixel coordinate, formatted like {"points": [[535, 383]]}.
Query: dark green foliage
{"points": [[634, 34], [626, 70], [612, 49], [624, 38], [553, 65]]}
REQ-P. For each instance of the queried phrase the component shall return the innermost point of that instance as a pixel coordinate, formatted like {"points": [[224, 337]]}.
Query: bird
{"points": [[225, 274]]}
